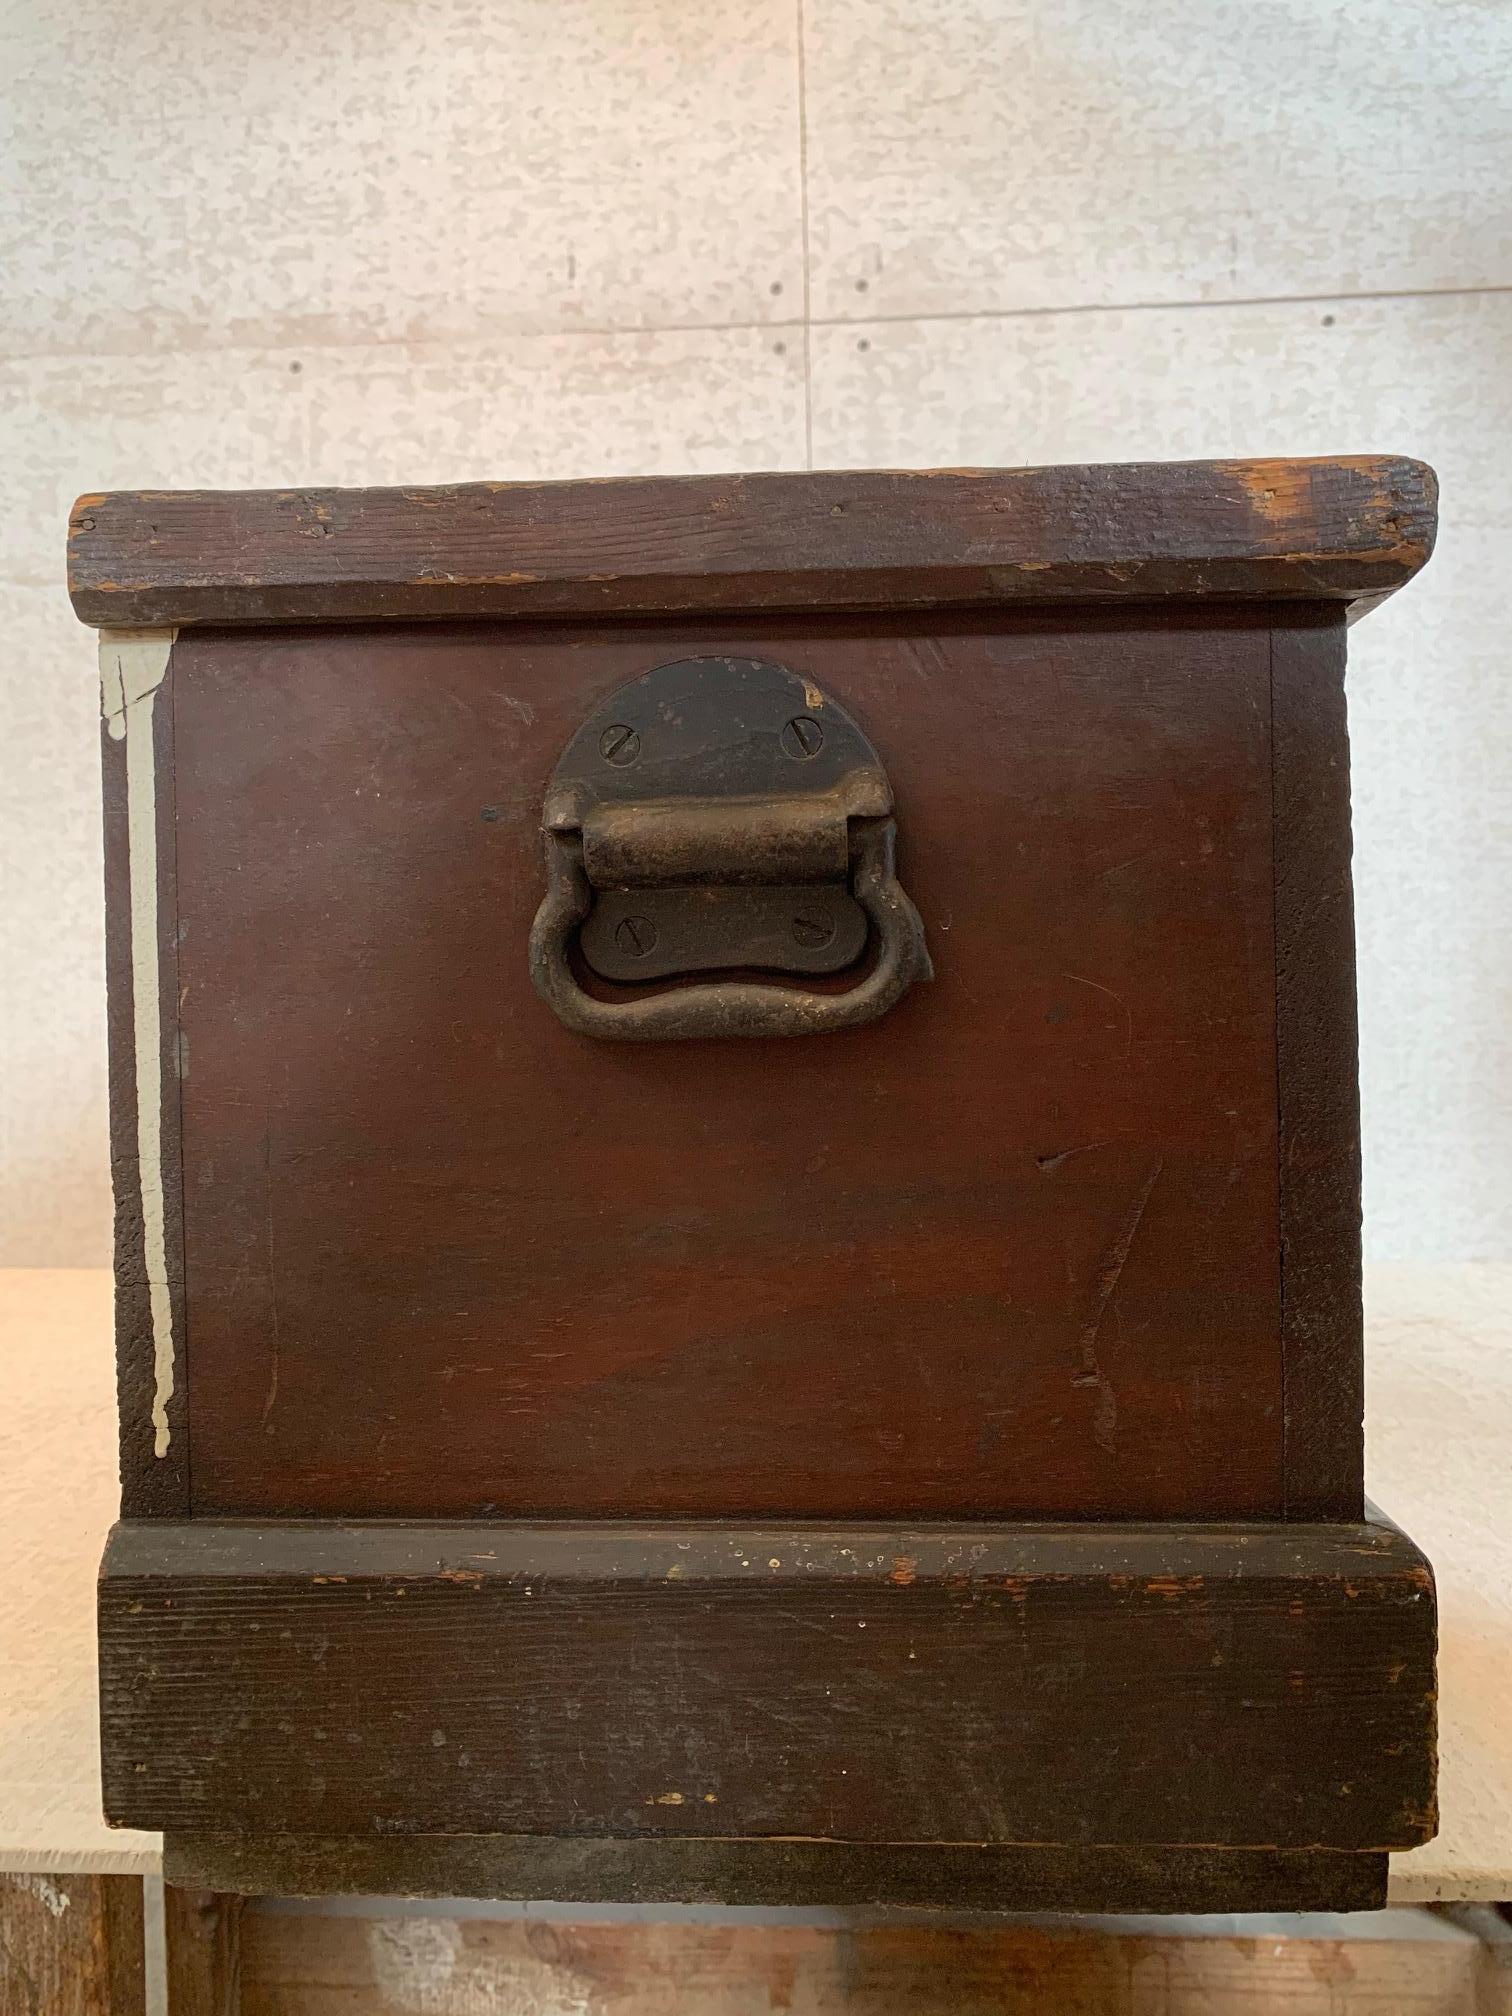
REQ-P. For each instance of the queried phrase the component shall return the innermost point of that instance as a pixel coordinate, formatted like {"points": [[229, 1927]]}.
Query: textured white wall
{"points": [[249, 242]]}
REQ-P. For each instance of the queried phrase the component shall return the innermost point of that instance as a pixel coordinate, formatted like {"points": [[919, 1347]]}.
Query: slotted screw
{"points": [[802, 737], [635, 936], [813, 931], [619, 745]]}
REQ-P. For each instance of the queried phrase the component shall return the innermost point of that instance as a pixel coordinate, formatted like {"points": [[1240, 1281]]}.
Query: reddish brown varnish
{"points": [[530, 1392], [1013, 1249]]}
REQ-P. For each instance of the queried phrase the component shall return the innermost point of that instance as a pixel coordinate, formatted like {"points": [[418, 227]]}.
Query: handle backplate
{"points": [[721, 816]]}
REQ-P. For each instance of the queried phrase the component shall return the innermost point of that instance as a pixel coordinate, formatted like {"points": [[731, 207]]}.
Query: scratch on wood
{"points": [[1048, 1164], [1104, 1285], [927, 657], [276, 1341], [133, 665], [1082, 981]]}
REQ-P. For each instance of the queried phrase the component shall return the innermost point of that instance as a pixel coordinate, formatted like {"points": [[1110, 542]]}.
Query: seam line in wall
{"points": [[276, 348], [803, 226]]}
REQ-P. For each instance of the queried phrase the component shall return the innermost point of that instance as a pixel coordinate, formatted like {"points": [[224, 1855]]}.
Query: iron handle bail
{"points": [[721, 813]]}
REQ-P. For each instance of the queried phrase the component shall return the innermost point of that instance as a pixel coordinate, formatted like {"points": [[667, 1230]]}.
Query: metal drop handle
{"points": [[721, 813], [729, 1007]]}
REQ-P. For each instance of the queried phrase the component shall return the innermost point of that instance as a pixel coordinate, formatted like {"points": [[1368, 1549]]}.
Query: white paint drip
{"points": [[133, 664], [54, 1899], [413, 1960], [427, 1966]]}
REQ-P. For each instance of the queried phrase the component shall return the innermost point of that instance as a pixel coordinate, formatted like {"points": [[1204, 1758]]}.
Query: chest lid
{"points": [[1349, 530]]}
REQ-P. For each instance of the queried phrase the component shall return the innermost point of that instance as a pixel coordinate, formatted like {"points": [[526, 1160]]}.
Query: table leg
{"points": [[202, 1946]]}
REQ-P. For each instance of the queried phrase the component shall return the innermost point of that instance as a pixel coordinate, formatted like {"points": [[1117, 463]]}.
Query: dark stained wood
{"points": [[1071, 1235], [71, 1946], [1010, 1251], [1261, 1686], [202, 1950], [1322, 1323], [1351, 529], [667, 1869], [150, 1484]]}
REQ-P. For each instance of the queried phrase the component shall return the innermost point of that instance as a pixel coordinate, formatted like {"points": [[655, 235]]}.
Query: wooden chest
{"points": [[737, 1179]]}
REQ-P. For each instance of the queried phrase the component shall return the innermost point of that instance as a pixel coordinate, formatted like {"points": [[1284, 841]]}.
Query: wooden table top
{"points": [[1439, 1456]]}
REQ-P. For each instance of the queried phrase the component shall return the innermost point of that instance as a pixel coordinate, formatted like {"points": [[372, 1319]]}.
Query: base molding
{"points": [[659, 1702], [814, 1874]]}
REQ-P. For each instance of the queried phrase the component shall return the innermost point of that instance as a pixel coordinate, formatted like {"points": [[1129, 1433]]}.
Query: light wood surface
{"points": [[1439, 1455], [72, 1946], [1397, 1963]]}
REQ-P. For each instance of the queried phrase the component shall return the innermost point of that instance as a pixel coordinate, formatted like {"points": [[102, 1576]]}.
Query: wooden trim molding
{"points": [[1317, 1066], [670, 1869], [1242, 1686], [1348, 530]]}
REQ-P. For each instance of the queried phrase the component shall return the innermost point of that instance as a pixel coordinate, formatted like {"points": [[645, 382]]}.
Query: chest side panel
{"points": [[1011, 1250]]}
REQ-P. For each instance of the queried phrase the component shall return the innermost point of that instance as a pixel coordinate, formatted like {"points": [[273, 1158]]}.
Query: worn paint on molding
{"points": [[133, 664]]}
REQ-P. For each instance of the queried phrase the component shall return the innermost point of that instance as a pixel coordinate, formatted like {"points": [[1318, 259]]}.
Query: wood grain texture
{"points": [[202, 1951], [1012, 1250], [448, 1966], [1265, 1686], [668, 1869], [329, 1966], [1322, 1319], [71, 1946], [1351, 529], [150, 1484]]}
